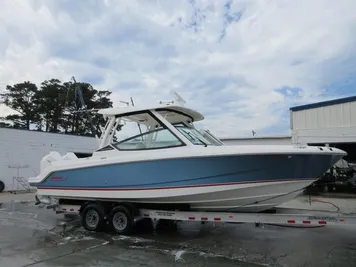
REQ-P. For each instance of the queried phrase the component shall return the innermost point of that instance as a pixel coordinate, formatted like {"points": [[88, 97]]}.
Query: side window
{"points": [[164, 138], [160, 138], [129, 129], [131, 144]]}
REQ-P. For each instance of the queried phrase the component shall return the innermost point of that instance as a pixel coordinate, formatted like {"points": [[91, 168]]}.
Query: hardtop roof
{"points": [[122, 111]]}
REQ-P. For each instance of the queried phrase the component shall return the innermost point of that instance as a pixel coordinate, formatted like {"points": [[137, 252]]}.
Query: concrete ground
{"points": [[34, 236], [8, 197]]}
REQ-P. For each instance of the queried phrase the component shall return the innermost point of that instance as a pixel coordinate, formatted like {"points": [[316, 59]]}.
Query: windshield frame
{"points": [[162, 126], [196, 135]]}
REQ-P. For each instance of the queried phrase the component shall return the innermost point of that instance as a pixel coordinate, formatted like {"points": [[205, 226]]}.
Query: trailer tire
{"points": [[93, 217], [122, 220], [2, 186]]}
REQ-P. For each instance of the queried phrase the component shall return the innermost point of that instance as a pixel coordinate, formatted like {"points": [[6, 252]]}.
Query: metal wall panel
{"points": [[334, 116], [324, 136], [353, 113], [26, 148]]}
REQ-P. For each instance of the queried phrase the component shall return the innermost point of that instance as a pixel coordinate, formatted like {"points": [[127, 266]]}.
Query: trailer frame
{"points": [[128, 212]]}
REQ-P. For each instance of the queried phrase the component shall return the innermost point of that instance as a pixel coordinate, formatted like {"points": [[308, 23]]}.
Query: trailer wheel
{"points": [[93, 217], [2, 186], [121, 220]]}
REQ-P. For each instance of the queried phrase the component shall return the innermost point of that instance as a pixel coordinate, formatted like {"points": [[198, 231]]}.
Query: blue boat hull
{"points": [[191, 172], [241, 183]]}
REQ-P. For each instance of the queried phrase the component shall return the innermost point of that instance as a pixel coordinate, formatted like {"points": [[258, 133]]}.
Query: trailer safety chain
{"points": [[327, 202]]}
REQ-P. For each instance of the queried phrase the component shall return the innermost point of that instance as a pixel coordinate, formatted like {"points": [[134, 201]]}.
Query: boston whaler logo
{"points": [[58, 178]]}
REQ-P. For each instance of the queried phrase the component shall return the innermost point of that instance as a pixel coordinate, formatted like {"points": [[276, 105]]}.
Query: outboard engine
{"points": [[55, 156], [48, 159]]}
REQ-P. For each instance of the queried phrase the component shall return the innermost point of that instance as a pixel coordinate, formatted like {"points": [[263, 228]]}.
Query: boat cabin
{"points": [[132, 128]]}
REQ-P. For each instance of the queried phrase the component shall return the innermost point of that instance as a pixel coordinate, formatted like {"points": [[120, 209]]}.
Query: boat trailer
{"points": [[123, 218]]}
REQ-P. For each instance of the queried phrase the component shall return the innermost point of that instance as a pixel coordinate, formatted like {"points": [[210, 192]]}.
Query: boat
{"points": [[155, 156]]}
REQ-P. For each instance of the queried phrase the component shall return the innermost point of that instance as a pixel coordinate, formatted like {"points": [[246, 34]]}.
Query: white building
{"points": [[331, 123], [21, 152]]}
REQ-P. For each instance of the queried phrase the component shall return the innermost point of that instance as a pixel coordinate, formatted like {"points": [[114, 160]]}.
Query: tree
{"points": [[50, 104], [16, 122], [4, 124], [101, 100], [80, 97], [20, 97], [57, 106]]}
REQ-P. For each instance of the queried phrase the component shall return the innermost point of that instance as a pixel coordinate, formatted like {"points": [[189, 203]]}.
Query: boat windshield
{"points": [[142, 132], [193, 135]]}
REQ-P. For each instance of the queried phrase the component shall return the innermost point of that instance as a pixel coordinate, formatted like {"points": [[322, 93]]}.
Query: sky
{"points": [[241, 63]]}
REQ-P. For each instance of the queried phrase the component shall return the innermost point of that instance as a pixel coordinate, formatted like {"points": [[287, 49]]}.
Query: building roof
{"points": [[324, 103]]}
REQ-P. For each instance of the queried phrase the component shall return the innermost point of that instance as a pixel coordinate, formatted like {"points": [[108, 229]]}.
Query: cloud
{"points": [[241, 63]]}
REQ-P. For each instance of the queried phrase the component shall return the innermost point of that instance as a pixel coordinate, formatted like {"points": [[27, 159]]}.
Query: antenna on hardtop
{"points": [[124, 102], [176, 99]]}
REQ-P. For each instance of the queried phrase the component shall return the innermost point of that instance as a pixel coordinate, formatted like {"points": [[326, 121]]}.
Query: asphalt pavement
{"points": [[34, 236]]}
